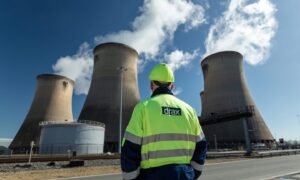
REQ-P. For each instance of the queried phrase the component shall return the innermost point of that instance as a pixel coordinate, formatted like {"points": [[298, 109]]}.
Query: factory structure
{"points": [[52, 102], [111, 98], [229, 115], [114, 90], [83, 137]]}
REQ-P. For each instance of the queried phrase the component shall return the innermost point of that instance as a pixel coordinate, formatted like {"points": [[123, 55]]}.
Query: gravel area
{"points": [[41, 170], [16, 167], [59, 173], [19, 167]]}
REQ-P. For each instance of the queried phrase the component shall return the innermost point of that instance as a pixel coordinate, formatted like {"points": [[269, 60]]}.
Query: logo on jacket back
{"points": [[171, 111]]}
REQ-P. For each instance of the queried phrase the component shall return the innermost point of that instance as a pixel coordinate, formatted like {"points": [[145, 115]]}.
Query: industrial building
{"points": [[52, 102], [85, 137], [114, 90], [229, 116], [4, 144]]}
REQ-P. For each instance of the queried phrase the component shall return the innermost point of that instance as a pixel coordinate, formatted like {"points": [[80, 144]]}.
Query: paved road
{"points": [[253, 169]]}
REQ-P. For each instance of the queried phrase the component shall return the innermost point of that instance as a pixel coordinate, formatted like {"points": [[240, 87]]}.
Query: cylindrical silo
{"points": [[66, 138], [113, 63], [226, 96], [52, 102]]}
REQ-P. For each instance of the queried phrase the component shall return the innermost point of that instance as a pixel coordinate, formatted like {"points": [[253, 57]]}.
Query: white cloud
{"points": [[157, 24], [245, 27], [78, 67], [178, 58], [177, 91], [150, 33]]}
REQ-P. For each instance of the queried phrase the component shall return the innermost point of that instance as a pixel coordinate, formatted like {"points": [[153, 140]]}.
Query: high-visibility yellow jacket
{"points": [[165, 131]]}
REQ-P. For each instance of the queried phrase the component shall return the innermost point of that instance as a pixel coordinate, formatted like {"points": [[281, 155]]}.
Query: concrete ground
{"points": [[294, 176], [275, 168]]}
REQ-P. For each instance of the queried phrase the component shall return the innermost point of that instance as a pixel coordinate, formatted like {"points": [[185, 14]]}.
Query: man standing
{"points": [[163, 139]]}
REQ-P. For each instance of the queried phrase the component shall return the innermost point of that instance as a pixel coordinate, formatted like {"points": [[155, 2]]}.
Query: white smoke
{"points": [[157, 24], [178, 58], [245, 27], [78, 67], [177, 91], [151, 32]]}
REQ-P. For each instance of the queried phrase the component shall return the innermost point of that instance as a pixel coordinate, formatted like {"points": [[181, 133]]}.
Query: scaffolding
{"points": [[227, 115], [245, 114]]}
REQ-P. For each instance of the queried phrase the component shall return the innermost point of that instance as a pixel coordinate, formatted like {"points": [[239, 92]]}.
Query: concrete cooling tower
{"points": [[114, 64], [229, 115], [52, 102]]}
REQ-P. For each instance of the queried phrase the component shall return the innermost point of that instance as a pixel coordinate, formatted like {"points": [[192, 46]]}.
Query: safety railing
{"points": [[89, 122], [276, 153]]}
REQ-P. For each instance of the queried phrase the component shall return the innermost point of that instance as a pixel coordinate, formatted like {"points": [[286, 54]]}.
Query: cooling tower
{"points": [[227, 104], [52, 102], [113, 62]]}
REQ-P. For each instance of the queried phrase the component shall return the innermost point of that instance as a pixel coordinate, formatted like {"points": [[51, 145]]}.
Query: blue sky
{"points": [[36, 35]]}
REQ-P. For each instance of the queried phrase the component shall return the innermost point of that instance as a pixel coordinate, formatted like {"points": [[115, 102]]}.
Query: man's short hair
{"points": [[162, 84]]}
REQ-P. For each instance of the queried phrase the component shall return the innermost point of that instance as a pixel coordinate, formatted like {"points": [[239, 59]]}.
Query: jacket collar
{"points": [[161, 90]]}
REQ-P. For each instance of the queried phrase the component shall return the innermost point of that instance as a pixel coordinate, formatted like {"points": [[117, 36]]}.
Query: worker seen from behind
{"points": [[163, 139]]}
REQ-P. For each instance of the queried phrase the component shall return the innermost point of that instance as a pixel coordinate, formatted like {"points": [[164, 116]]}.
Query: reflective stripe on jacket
{"points": [[165, 130]]}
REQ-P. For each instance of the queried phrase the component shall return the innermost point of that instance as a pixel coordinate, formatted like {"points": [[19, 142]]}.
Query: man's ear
{"points": [[151, 86], [171, 87]]}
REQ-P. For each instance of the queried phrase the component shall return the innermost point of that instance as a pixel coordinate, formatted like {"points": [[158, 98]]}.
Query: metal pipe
{"points": [[122, 69], [216, 143], [247, 138], [30, 153]]}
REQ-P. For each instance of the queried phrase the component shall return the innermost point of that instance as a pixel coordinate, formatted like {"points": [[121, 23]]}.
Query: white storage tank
{"points": [[84, 137]]}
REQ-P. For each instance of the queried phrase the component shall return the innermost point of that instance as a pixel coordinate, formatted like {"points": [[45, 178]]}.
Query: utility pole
{"points": [[298, 116], [122, 69], [31, 147], [247, 138], [216, 143]]}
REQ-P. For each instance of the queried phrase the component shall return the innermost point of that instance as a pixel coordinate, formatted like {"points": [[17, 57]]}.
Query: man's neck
{"points": [[161, 90]]}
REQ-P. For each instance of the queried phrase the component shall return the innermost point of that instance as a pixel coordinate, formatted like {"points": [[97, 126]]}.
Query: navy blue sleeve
{"points": [[199, 157], [130, 157], [200, 152]]}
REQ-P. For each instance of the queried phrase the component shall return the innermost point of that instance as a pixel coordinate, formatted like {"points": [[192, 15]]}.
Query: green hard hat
{"points": [[162, 73]]}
